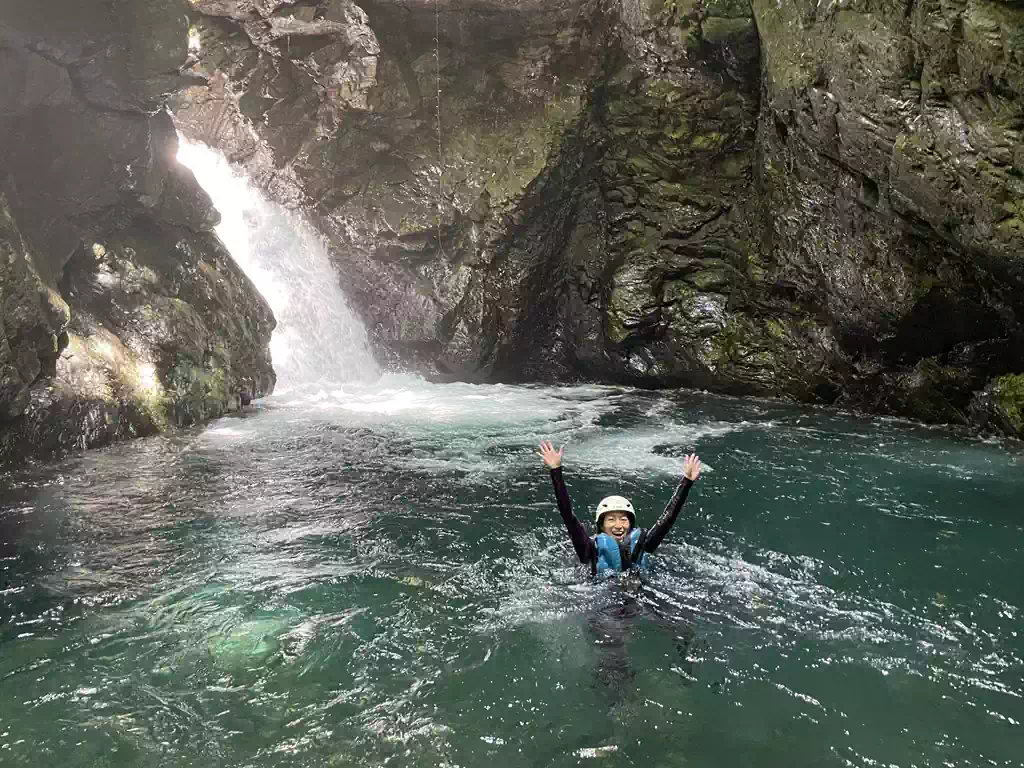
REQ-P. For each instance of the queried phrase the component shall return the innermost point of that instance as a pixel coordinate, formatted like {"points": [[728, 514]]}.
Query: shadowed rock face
{"points": [[815, 200], [818, 200], [891, 143], [121, 311]]}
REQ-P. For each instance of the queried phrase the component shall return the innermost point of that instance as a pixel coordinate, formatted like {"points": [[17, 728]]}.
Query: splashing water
{"points": [[318, 339], [382, 578]]}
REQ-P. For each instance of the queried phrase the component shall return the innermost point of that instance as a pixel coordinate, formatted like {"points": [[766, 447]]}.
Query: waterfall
{"points": [[318, 340]]}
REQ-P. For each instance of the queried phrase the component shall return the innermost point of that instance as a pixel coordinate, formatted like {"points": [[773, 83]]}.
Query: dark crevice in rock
{"points": [[869, 192]]}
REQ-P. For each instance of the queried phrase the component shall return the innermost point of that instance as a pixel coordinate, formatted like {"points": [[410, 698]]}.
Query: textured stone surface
{"points": [[818, 200], [173, 301], [890, 137], [32, 320], [413, 235], [121, 311]]}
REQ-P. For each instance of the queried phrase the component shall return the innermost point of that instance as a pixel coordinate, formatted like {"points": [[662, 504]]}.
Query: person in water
{"points": [[619, 544]]}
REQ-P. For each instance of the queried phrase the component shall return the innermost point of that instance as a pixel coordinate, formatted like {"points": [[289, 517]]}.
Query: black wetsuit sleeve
{"points": [[581, 542], [661, 528]]}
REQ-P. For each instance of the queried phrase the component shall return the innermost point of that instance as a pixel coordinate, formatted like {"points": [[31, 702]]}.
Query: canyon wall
{"points": [[122, 312]]}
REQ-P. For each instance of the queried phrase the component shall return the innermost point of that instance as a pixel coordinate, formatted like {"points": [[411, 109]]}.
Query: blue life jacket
{"points": [[611, 557]]}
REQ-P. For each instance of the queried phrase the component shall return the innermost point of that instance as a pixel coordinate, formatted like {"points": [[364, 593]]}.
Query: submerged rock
{"points": [[247, 644]]}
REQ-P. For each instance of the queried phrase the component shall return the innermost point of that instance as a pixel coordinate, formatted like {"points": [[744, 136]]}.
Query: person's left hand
{"points": [[691, 467]]}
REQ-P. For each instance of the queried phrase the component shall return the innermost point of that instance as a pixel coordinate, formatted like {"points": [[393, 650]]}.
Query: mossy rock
{"points": [[728, 9], [195, 392], [711, 279], [630, 301], [929, 390], [709, 141], [697, 315], [1009, 392], [720, 31]]}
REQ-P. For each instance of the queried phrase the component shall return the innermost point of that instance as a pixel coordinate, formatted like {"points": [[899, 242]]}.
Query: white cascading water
{"points": [[321, 356], [319, 341], [324, 366]]}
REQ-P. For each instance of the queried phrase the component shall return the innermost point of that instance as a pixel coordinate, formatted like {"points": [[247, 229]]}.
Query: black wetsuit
{"points": [[584, 545]]}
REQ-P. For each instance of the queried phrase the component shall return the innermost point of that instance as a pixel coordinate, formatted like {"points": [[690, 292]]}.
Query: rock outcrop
{"points": [[893, 168], [818, 200], [121, 310], [815, 200]]}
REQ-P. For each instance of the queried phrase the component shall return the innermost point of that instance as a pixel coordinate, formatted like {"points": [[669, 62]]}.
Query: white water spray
{"points": [[318, 340]]}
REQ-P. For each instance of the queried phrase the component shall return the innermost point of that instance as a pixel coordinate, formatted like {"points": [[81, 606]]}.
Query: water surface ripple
{"points": [[376, 575]]}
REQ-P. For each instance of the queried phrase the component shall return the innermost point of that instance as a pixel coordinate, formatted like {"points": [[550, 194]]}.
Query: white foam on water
{"points": [[480, 412], [494, 429], [636, 451], [221, 431]]}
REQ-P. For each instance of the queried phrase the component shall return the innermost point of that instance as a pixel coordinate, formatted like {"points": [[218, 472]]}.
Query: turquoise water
{"points": [[379, 577]]}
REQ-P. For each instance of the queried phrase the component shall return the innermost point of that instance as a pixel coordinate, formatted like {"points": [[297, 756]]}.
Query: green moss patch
{"points": [[196, 392], [1010, 396]]}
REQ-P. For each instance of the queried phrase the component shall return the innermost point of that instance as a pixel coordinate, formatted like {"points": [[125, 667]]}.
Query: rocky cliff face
{"points": [[121, 311], [821, 200], [818, 200], [893, 166]]}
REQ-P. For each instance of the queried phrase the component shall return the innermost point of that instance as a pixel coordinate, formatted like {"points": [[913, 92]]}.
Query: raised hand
{"points": [[691, 466], [551, 457]]}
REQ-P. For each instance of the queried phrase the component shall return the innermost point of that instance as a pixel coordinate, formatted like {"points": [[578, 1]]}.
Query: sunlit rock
{"points": [[121, 311]]}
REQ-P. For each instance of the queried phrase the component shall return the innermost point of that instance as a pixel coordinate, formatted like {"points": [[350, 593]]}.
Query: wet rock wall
{"points": [[815, 200], [121, 311]]}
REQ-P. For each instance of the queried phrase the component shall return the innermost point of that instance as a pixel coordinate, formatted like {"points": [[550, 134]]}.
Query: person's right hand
{"points": [[551, 457], [691, 467]]}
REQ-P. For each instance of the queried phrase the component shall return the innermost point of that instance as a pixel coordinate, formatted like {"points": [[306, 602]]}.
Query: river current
{"points": [[368, 571]]}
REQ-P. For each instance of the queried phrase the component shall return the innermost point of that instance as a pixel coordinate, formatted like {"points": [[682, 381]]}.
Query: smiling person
{"points": [[619, 544]]}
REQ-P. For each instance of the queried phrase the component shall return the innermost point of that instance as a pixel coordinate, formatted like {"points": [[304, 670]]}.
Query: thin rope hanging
{"points": [[437, 115]]}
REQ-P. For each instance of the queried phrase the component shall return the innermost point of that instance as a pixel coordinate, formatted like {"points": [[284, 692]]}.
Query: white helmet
{"points": [[615, 504]]}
